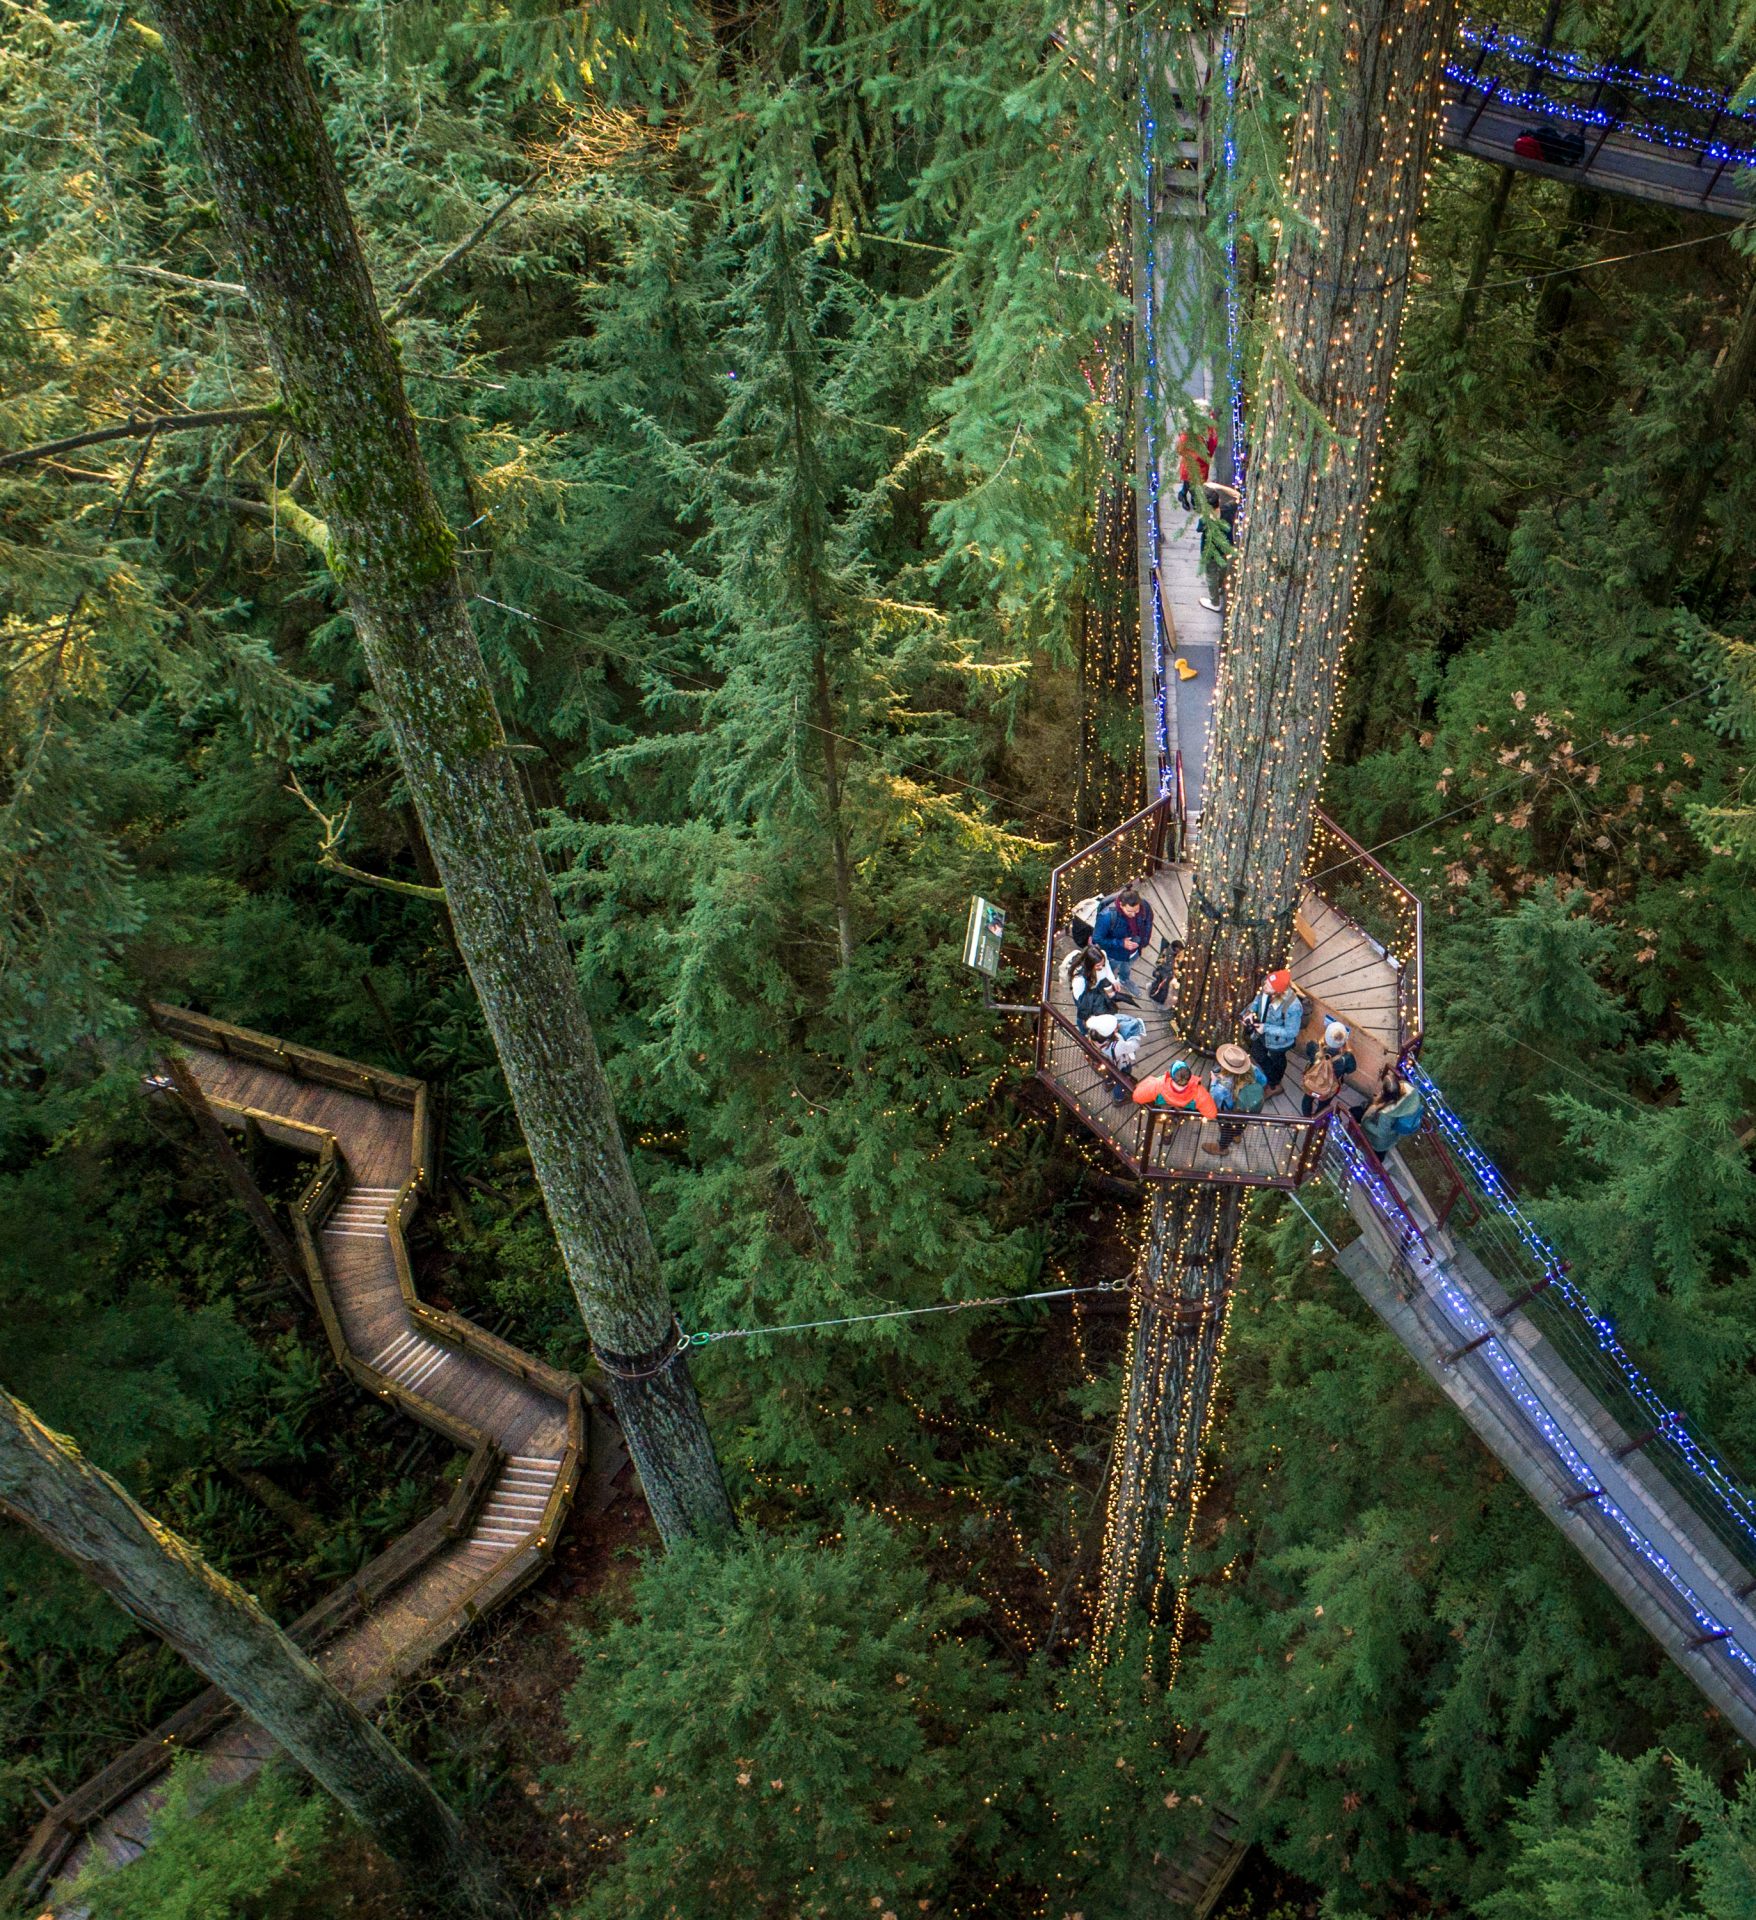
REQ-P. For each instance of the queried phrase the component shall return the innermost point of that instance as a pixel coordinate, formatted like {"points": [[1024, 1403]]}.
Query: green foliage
{"points": [[251, 1855], [1615, 1846], [784, 1727]]}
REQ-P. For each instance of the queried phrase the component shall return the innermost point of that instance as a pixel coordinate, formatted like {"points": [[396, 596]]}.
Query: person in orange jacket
{"points": [[1179, 1089]]}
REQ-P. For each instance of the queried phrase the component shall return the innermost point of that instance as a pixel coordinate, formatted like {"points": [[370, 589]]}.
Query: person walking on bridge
{"points": [[1272, 1025]]}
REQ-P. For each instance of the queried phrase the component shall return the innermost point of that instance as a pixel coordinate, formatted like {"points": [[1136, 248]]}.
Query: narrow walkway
{"points": [[1635, 1497], [1644, 136], [521, 1421], [1182, 330]]}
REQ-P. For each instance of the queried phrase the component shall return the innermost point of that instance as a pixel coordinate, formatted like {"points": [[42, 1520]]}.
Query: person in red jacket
{"points": [[1179, 1089], [1194, 459]]}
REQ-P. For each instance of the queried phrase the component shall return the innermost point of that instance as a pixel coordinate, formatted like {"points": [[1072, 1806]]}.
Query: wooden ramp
{"points": [[521, 1422]]}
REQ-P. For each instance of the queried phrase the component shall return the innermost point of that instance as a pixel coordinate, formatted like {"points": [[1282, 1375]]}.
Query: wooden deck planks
{"points": [[1342, 970], [522, 1417]]}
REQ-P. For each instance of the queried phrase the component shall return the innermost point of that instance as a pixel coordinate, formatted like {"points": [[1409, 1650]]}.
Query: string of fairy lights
{"points": [[1574, 70], [1738, 1502], [1352, 1169], [1332, 349]]}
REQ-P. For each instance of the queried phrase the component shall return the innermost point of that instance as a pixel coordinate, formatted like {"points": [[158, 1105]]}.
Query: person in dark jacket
{"points": [[1323, 1082], [1124, 929]]}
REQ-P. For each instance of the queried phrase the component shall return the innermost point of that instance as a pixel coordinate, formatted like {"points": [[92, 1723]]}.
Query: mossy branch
{"points": [[334, 826]]}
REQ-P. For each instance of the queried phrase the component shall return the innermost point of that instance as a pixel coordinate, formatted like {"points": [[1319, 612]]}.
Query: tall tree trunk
{"points": [[83, 1514], [256, 119], [1720, 420], [1487, 241], [1358, 168]]}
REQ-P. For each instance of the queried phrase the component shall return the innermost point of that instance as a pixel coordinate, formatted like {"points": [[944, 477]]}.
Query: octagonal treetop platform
{"points": [[1356, 956]]}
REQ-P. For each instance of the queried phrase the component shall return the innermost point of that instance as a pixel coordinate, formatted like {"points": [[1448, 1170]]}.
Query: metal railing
{"points": [[1492, 65], [1482, 1215], [1364, 891]]}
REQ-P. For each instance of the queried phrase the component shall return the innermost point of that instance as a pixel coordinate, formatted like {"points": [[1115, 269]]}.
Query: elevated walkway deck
{"points": [[1645, 136], [1671, 1535], [1356, 957], [521, 1422]]}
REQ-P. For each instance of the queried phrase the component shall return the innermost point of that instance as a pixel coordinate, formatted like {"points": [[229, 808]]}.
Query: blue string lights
{"points": [[1573, 71], [1739, 1504], [1348, 1165], [1162, 775], [1228, 60]]}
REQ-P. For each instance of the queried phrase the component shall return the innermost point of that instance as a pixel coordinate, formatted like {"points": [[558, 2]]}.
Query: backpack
{"points": [[1320, 1080], [1160, 990], [1249, 1095]]}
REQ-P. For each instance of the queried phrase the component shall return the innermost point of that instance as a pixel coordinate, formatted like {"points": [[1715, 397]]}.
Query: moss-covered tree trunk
{"points": [[256, 119], [1361, 148], [83, 1514]]}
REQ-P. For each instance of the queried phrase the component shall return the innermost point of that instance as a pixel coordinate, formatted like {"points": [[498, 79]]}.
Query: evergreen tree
{"points": [[249, 97]]}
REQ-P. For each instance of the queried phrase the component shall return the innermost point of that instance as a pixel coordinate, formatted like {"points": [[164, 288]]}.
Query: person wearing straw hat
{"points": [[1238, 1086]]}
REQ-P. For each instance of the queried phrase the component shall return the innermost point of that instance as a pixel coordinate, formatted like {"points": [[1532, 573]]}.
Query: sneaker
{"points": [[1212, 606]]}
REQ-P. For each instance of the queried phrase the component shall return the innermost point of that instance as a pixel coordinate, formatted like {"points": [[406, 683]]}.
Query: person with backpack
{"points": [[1117, 1037], [1393, 1112], [1163, 989], [1238, 1086], [1272, 1025], [1331, 1061], [1124, 929]]}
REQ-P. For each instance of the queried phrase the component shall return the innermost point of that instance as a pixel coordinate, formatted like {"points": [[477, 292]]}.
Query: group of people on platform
{"points": [[1111, 932]]}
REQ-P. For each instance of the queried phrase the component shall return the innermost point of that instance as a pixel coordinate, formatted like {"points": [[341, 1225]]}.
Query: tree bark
{"points": [[1721, 417], [1358, 169], [256, 120], [83, 1514]]}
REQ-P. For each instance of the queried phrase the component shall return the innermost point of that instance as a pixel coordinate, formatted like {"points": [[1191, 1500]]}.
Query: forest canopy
{"points": [[771, 369]]}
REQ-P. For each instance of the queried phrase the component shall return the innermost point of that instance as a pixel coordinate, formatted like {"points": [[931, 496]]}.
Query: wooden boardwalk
{"points": [[521, 1422]]}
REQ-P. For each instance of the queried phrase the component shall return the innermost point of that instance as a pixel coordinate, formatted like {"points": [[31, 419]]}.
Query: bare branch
{"points": [[406, 298], [186, 280], [132, 430], [334, 826]]}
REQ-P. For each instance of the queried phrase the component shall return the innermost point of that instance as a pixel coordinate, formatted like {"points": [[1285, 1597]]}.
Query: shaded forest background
{"points": [[766, 414]]}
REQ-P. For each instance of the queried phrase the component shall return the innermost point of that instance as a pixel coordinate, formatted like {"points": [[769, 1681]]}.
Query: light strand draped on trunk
{"points": [[156, 1577], [1354, 191], [256, 118]]}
